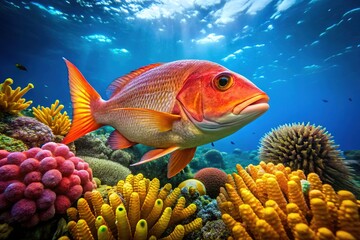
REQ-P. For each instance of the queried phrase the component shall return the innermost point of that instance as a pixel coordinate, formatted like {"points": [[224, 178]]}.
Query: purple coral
{"points": [[38, 183], [29, 130]]}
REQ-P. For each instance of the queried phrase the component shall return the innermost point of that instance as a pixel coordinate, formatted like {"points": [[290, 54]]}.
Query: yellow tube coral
{"points": [[155, 213], [161, 225], [320, 213], [83, 230], [177, 234], [104, 233], [125, 223], [141, 230], [109, 216], [134, 211], [150, 198]]}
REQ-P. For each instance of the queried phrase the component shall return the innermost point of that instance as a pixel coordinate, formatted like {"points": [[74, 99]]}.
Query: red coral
{"points": [[213, 179], [9, 172], [38, 183], [51, 178], [62, 203]]}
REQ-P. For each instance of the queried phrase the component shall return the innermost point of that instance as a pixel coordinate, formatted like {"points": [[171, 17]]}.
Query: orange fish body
{"points": [[173, 107]]}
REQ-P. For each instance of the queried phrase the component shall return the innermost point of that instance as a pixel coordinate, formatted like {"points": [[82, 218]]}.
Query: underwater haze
{"points": [[304, 54]]}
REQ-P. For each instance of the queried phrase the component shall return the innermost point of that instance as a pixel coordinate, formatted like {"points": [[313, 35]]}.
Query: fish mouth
{"points": [[258, 104]]}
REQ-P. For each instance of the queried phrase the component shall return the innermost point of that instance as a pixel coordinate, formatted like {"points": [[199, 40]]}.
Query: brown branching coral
{"points": [[135, 209], [11, 100], [251, 212], [309, 148], [58, 122]]}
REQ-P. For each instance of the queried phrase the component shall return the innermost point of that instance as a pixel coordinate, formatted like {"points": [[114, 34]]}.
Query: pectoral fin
{"points": [[118, 141], [155, 154], [147, 118], [178, 161]]}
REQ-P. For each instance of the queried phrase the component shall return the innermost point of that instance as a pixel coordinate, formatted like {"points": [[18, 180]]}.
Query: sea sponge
{"points": [[11, 144], [309, 148], [108, 171], [90, 145], [307, 215], [58, 122], [29, 130], [213, 179], [11, 100], [126, 219], [33, 187]]}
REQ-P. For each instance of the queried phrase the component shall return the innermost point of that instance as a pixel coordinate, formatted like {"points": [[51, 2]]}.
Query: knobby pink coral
{"points": [[38, 183]]}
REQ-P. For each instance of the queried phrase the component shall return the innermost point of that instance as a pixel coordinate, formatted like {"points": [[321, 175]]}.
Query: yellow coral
{"points": [[11, 100], [58, 122], [123, 221], [83, 230], [285, 211]]}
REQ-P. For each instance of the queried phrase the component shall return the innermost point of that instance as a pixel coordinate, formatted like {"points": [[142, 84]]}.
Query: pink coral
{"points": [[213, 179], [14, 191], [51, 178], [62, 203], [9, 172], [39, 183]]}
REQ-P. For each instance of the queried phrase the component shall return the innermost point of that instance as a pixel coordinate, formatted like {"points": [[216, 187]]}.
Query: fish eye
{"points": [[223, 82]]}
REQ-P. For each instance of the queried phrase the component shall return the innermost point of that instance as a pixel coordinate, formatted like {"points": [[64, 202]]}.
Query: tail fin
{"points": [[83, 96]]}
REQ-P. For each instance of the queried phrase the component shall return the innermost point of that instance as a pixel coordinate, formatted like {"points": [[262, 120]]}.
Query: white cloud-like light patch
{"points": [[229, 57], [169, 8], [284, 5], [51, 10], [241, 51], [233, 8], [97, 38], [120, 51], [211, 38]]}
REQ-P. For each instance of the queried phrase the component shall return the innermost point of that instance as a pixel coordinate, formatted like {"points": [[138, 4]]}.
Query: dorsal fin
{"points": [[120, 82]]}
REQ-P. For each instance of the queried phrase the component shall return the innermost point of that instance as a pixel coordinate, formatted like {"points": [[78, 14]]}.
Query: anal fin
{"points": [[155, 154], [178, 160], [118, 141]]}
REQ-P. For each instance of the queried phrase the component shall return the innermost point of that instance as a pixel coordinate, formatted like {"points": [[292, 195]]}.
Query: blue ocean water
{"points": [[304, 54]]}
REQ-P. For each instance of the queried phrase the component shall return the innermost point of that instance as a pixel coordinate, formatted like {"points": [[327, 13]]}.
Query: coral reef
{"points": [[267, 202], [29, 130], [107, 171], [161, 170], [91, 145], [123, 157], [214, 159], [136, 209], [213, 179], [11, 144], [309, 148], [11, 100], [38, 183], [58, 122]]}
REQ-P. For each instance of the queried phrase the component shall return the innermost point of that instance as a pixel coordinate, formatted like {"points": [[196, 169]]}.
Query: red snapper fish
{"points": [[173, 107]]}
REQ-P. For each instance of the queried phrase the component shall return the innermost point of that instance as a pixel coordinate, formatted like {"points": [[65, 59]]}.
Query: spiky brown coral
{"points": [[309, 148]]}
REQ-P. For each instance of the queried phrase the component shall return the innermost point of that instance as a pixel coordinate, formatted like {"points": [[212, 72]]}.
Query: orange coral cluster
{"points": [[135, 209], [11, 100], [267, 202], [58, 122]]}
